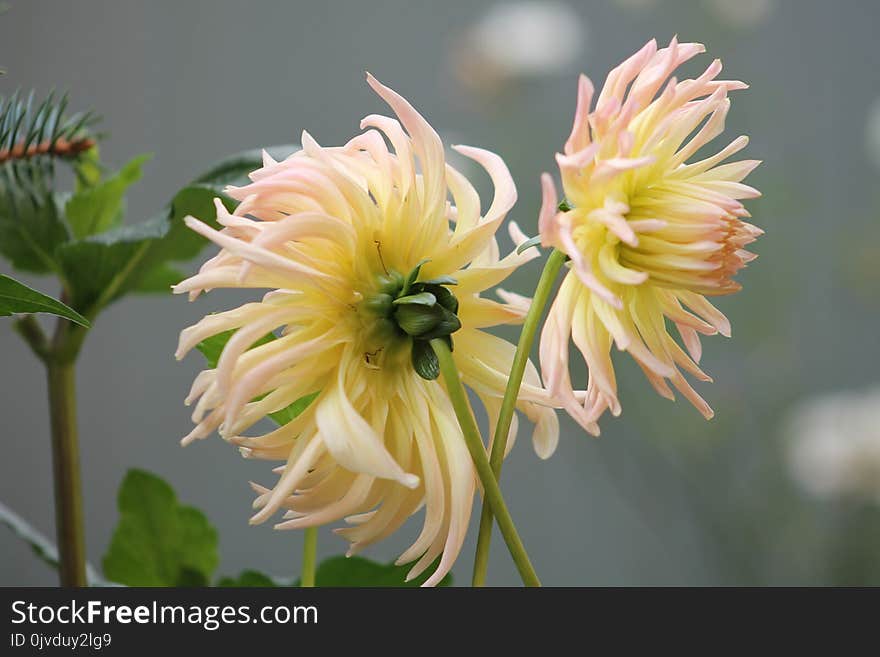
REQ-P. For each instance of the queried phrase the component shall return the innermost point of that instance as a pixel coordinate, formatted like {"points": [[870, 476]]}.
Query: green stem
{"points": [[29, 329], [59, 357], [491, 490], [508, 405], [66, 470], [310, 557]]}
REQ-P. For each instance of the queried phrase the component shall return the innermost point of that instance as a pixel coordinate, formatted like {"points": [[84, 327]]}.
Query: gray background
{"points": [[663, 497]]}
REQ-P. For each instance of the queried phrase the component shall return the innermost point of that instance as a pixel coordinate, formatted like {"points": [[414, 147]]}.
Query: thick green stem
{"points": [[508, 405], [491, 490], [66, 469], [59, 357], [310, 557]]}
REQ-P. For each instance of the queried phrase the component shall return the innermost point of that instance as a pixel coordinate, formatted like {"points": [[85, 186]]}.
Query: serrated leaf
{"points": [[364, 573], [103, 267], [158, 541], [99, 207], [45, 549], [16, 297], [31, 228], [100, 268], [248, 578], [212, 347], [424, 360]]}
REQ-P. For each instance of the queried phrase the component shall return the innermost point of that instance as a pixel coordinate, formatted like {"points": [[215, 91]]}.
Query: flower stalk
{"points": [[59, 358], [508, 405], [69, 519], [491, 490], [310, 557]]}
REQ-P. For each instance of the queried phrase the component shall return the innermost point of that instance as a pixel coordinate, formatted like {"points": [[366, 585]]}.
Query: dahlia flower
{"points": [[649, 236], [366, 259]]}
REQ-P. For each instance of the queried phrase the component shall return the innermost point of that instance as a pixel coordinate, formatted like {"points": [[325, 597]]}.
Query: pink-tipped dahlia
{"points": [[366, 259], [648, 235]]}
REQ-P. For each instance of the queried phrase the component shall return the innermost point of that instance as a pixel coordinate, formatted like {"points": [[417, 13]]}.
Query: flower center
{"points": [[405, 311]]}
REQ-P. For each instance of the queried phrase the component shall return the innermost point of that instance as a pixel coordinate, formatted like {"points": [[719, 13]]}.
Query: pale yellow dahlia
{"points": [[648, 235], [366, 259]]}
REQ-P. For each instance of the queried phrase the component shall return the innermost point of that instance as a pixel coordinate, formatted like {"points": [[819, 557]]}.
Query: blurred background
{"points": [[782, 487]]}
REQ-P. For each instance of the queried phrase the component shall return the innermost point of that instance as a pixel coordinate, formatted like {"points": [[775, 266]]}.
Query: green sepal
{"points": [[441, 280], [412, 277], [449, 323], [424, 360], [444, 297], [420, 299], [528, 244], [416, 320], [379, 304]]}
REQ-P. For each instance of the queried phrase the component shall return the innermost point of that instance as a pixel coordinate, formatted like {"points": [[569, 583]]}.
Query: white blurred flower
{"points": [[834, 444], [741, 13], [518, 40], [872, 133]]}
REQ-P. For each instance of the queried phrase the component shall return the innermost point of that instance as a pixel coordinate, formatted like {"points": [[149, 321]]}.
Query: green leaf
{"points": [[17, 297], [360, 572], [160, 278], [295, 409], [424, 360], [103, 267], [88, 169], [94, 209], [45, 549], [191, 578], [211, 349], [248, 578], [158, 541], [31, 228], [234, 169]]}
